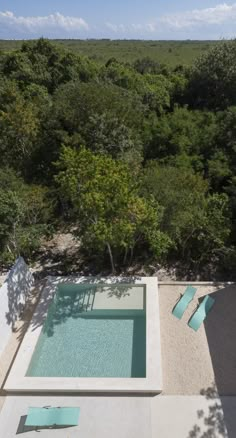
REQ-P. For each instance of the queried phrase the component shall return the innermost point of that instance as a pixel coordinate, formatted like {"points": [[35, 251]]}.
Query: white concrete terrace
{"points": [[119, 293], [127, 416], [199, 382]]}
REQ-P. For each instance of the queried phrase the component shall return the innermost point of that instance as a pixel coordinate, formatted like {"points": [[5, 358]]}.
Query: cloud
{"points": [[116, 27], [218, 15], [46, 24], [121, 28], [207, 23], [194, 19]]}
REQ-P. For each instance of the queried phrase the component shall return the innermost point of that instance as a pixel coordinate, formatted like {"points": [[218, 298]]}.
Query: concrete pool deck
{"points": [[127, 417], [119, 293], [192, 362]]}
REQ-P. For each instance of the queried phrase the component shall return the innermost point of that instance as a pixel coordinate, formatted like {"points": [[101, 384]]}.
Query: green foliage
{"points": [[103, 117], [74, 103], [154, 89], [24, 214], [108, 135], [218, 169], [213, 80], [44, 63], [19, 128], [142, 102], [108, 210], [183, 133], [170, 53], [196, 221], [147, 65], [156, 92], [178, 90]]}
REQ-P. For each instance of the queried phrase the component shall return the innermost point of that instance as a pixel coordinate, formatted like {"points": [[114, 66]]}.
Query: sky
{"points": [[118, 19]]}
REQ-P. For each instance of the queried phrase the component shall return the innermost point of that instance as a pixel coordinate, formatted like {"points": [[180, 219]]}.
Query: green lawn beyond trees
{"points": [[137, 157]]}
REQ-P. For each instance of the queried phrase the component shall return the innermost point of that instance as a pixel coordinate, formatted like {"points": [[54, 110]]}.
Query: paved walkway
{"points": [[128, 417], [2, 399], [193, 417], [100, 417]]}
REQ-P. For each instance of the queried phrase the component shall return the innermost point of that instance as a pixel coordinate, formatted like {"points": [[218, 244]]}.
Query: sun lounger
{"points": [[184, 301], [201, 313], [52, 416]]}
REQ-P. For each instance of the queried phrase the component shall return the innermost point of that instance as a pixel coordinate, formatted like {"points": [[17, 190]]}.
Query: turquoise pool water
{"points": [[80, 340]]}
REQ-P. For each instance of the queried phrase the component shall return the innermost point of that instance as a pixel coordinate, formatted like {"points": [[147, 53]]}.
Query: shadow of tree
{"points": [[220, 325], [19, 283], [68, 297], [27, 314], [213, 420]]}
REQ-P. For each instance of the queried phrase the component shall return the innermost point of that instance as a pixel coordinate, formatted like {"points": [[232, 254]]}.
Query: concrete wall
{"points": [[13, 295]]}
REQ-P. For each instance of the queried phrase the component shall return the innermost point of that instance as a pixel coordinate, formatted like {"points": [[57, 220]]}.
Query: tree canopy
{"points": [[106, 204], [138, 159]]}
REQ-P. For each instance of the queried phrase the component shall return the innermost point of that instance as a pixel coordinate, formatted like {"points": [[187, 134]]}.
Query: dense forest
{"points": [[137, 158]]}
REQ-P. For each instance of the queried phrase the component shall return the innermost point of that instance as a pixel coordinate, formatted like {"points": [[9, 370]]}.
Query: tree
{"points": [[44, 63], [74, 103], [156, 92], [178, 88], [183, 137], [19, 126], [196, 221], [219, 171], [106, 134], [213, 79], [107, 208], [153, 88], [24, 215], [148, 65]]}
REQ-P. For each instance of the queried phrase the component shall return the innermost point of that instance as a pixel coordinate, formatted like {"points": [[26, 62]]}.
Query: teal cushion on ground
{"points": [[184, 301], [201, 313], [52, 416]]}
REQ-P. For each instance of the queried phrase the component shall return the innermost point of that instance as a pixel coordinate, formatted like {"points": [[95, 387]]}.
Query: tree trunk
{"points": [[111, 258], [125, 256], [131, 254]]}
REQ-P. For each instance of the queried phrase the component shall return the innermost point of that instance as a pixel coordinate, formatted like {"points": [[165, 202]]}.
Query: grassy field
{"points": [[171, 53]]}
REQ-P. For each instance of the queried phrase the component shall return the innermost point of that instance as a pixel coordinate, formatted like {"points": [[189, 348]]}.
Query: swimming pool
{"points": [[91, 334], [80, 340]]}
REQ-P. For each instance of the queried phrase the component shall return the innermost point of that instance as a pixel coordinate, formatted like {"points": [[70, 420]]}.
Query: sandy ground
{"points": [[194, 361]]}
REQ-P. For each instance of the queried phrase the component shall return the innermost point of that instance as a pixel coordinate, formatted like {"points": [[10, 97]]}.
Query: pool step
{"points": [[87, 300]]}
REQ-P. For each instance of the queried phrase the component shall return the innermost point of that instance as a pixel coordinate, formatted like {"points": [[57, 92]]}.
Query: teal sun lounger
{"points": [[201, 313], [52, 416], [184, 301]]}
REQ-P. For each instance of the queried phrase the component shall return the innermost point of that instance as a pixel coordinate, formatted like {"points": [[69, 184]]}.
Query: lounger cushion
{"points": [[201, 313], [184, 301], [62, 416]]}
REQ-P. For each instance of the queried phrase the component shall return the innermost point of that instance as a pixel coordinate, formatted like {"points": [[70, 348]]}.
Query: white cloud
{"points": [[53, 22], [220, 14], [208, 22], [130, 28], [116, 27]]}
